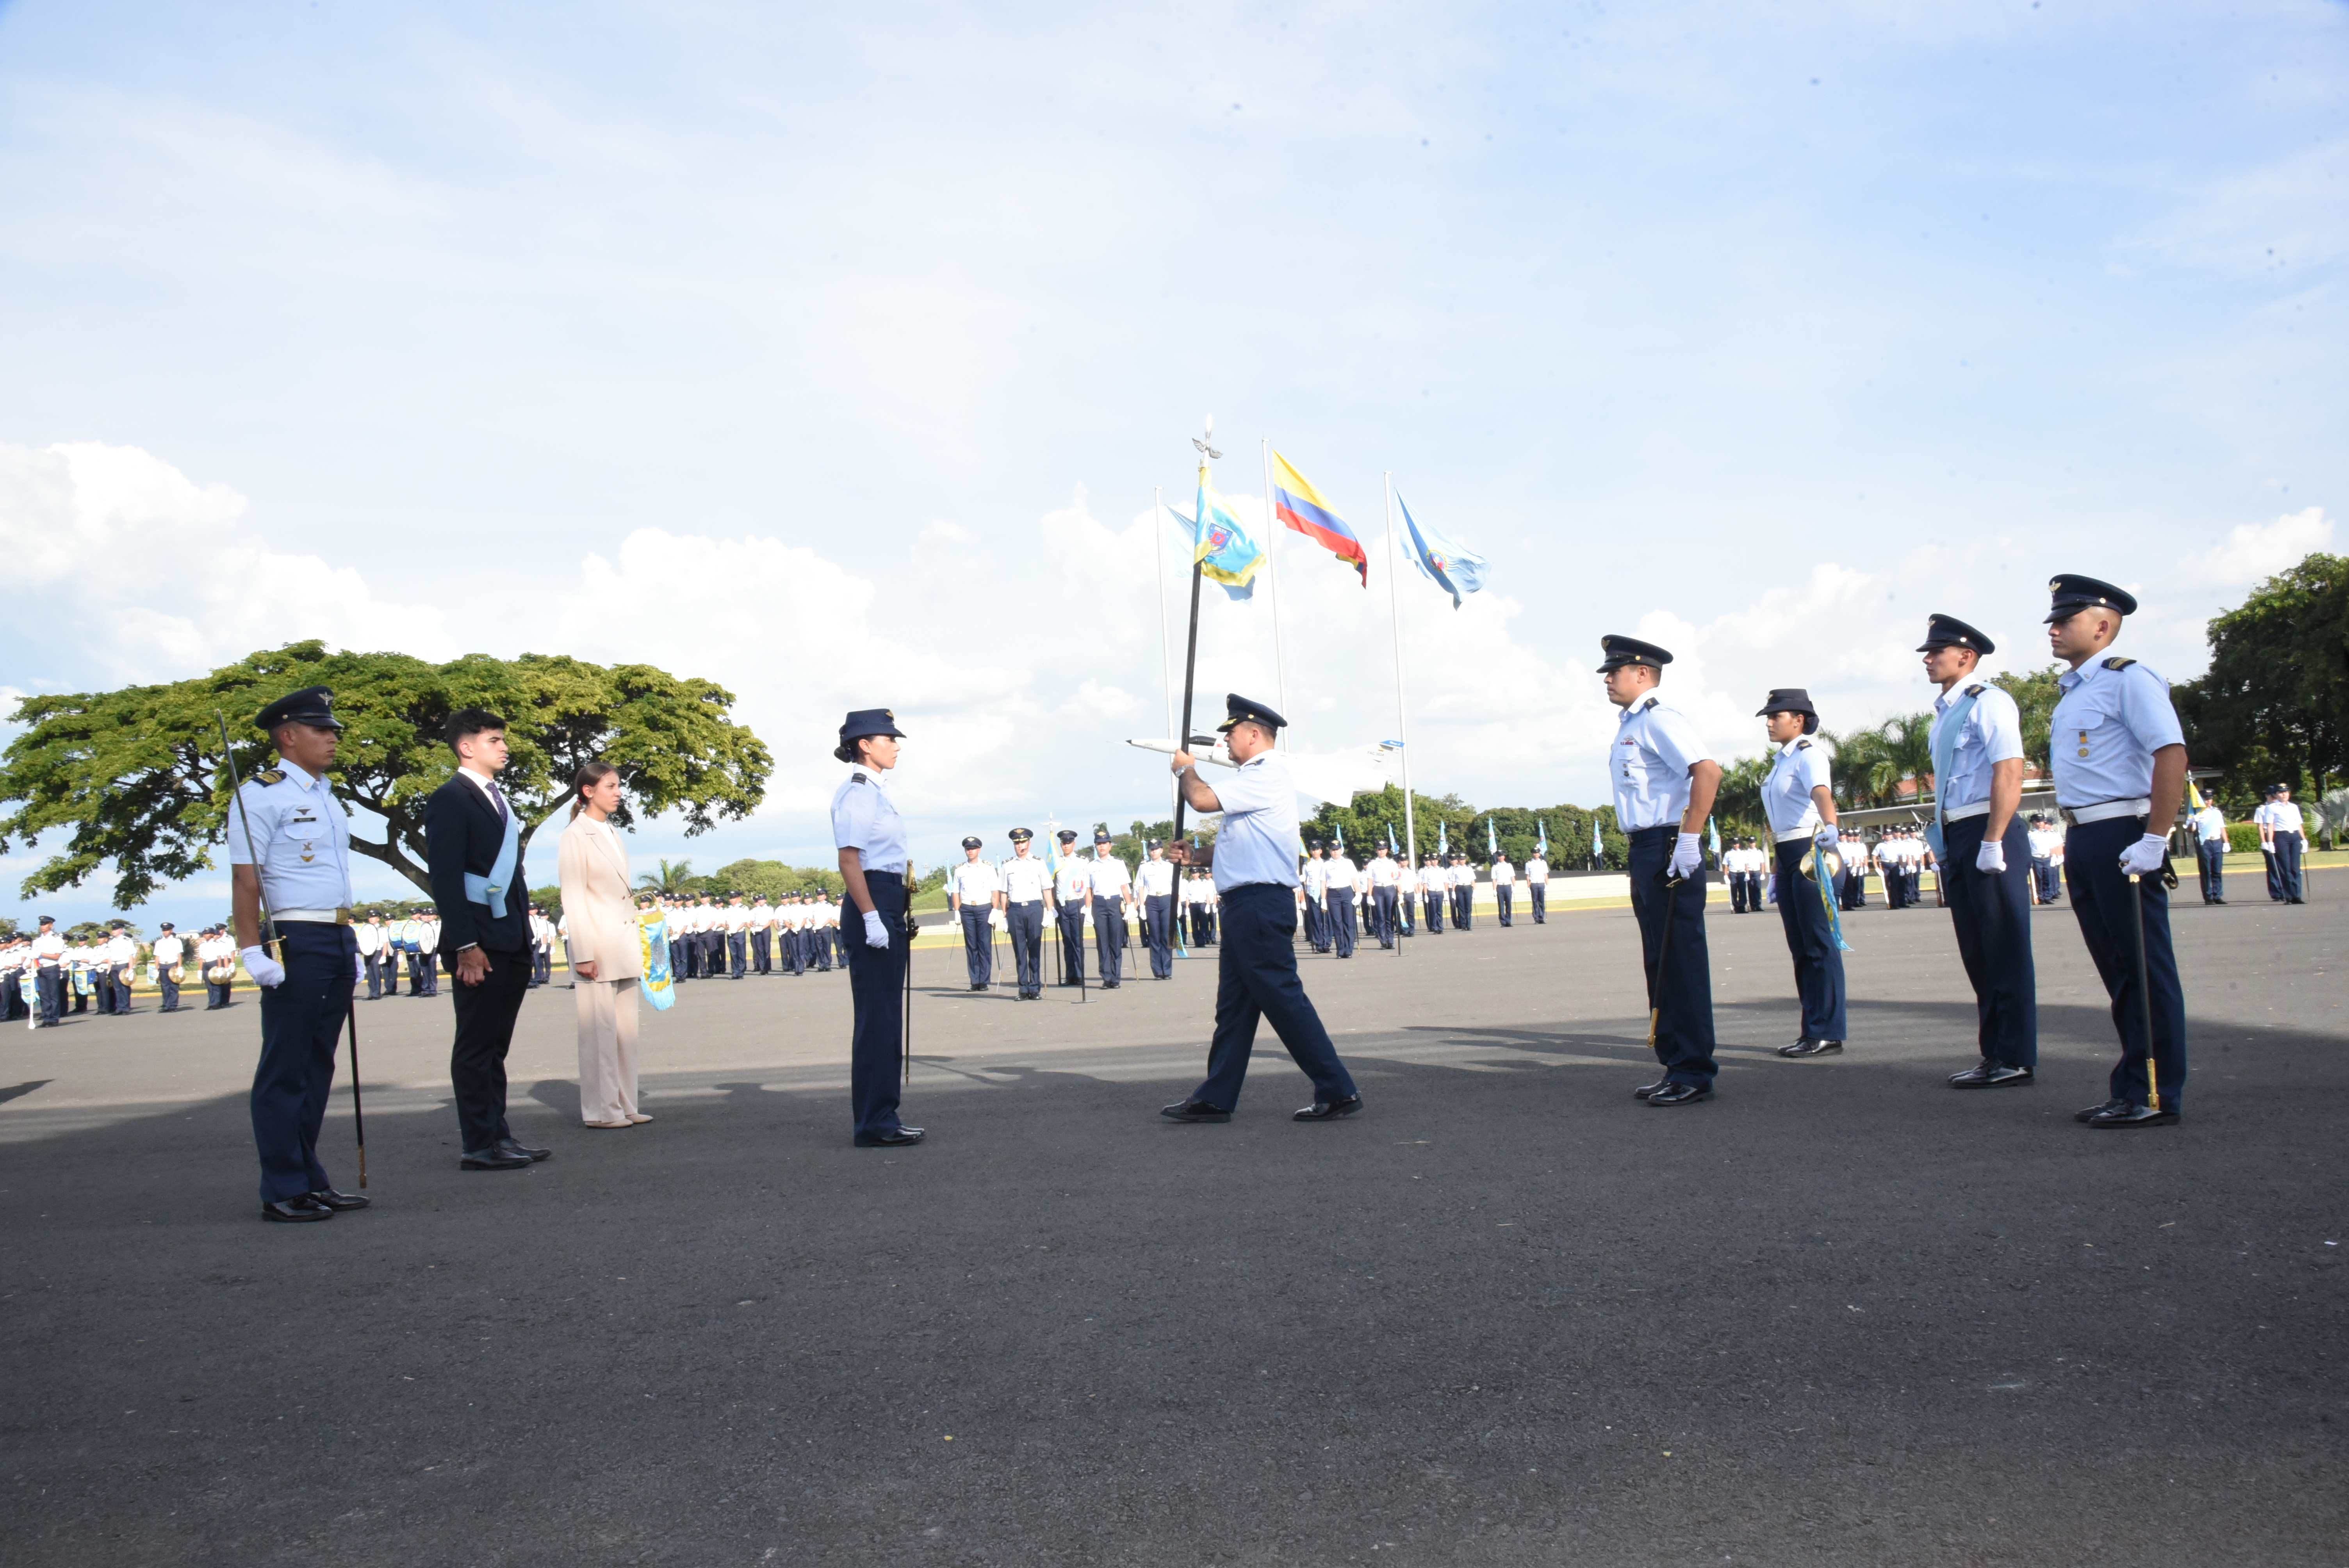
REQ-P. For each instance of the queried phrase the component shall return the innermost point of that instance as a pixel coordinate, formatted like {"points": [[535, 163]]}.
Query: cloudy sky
{"points": [[834, 353]]}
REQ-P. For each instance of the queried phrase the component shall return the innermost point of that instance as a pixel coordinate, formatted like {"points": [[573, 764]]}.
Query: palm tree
{"points": [[672, 879]]}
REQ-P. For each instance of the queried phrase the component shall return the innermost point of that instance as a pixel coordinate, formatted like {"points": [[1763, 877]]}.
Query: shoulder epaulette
{"points": [[858, 778], [2118, 663], [269, 776], [1650, 703], [1976, 690], [1801, 746]]}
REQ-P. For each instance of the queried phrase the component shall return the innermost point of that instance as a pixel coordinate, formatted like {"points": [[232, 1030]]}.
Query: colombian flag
{"points": [[1300, 506]]}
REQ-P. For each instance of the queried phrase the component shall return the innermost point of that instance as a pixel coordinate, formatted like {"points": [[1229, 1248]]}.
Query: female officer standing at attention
{"points": [[1799, 801], [874, 860]]}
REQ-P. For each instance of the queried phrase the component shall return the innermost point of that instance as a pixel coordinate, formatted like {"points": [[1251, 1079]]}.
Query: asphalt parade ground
{"points": [[1839, 1315]]}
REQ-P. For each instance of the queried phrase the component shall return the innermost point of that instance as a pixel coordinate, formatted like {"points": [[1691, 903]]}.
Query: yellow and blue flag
{"points": [[1221, 547]]}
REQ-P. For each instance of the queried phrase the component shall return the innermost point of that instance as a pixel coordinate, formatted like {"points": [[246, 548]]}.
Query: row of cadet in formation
{"points": [[2119, 766], [1904, 859], [1338, 902]]}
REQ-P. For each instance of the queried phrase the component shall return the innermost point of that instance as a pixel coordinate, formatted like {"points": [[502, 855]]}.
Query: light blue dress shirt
{"points": [[300, 839], [1801, 767], [866, 820], [1258, 840], [2106, 726], [1655, 747], [1992, 734]]}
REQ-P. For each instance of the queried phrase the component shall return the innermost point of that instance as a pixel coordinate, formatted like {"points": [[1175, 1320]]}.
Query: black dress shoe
{"points": [[896, 1138], [1680, 1094], [1812, 1049], [977, 987], [492, 1160], [295, 1210], [2134, 1116], [1194, 1110], [1109, 985], [1645, 1089], [1987, 1074], [333, 1200], [1329, 1109], [508, 1146], [2091, 1112]]}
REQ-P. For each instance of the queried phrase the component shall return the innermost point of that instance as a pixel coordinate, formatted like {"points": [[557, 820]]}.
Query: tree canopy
{"points": [[2274, 706], [136, 777], [1460, 827]]}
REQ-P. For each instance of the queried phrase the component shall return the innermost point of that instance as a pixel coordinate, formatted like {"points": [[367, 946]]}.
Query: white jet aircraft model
{"points": [[1337, 776]]}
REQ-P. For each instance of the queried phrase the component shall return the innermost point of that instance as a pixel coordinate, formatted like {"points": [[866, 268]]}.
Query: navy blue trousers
{"points": [[2100, 895], [2284, 868], [1818, 962], [1681, 987], [1382, 915], [762, 952], [978, 944], [1502, 894], [1316, 933], [876, 979], [1255, 978], [169, 987], [2044, 878], [1158, 931], [1463, 906], [1432, 903], [1109, 937], [1025, 921], [1341, 920], [2210, 861], [1992, 917], [301, 1023], [738, 952], [1073, 943], [1537, 895]]}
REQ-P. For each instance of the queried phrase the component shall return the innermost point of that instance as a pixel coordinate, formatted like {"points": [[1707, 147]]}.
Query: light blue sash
{"points": [[491, 889], [1945, 752]]}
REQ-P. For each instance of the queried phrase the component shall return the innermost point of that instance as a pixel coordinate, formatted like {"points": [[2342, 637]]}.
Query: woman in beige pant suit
{"points": [[605, 948]]}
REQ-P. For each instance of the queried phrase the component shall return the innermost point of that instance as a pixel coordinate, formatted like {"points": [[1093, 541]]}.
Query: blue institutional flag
{"points": [[1452, 567]]}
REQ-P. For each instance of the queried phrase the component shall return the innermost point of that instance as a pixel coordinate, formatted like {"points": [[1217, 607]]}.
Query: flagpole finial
{"points": [[1204, 442]]}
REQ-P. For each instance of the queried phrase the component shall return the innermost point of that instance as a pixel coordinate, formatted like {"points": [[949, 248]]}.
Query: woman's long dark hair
{"points": [[590, 774]]}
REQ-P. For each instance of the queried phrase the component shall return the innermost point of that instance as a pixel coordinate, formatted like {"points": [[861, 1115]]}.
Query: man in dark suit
{"points": [[474, 844]]}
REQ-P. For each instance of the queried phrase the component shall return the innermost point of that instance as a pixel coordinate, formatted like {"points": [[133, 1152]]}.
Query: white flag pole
{"points": [[1402, 718], [1272, 566], [1165, 653]]}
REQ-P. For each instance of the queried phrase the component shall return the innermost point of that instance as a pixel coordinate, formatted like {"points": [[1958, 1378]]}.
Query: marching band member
{"points": [[171, 968]]}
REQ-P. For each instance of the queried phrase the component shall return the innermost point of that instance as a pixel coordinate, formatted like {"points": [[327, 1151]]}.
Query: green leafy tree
{"points": [[1737, 808], [669, 881], [135, 777], [2035, 695], [752, 878], [2274, 705]]}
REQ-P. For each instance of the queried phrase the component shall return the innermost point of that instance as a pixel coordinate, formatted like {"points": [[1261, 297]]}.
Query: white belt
{"points": [[1962, 813], [2105, 810], [312, 916], [1798, 834]]}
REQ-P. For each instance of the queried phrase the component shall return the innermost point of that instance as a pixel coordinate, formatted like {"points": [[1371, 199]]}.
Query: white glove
{"points": [[1829, 837], [876, 935], [995, 918], [1688, 856], [2145, 856], [1991, 859], [265, 969]]}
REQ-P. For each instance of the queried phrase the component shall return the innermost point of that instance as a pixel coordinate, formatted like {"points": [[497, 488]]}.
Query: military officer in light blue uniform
{"points": [[876, 858], [1027, 896], [1799, 800], [1983, 854], [289, 851], [1664, 785], [2119, 760], [1257, 878]]}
